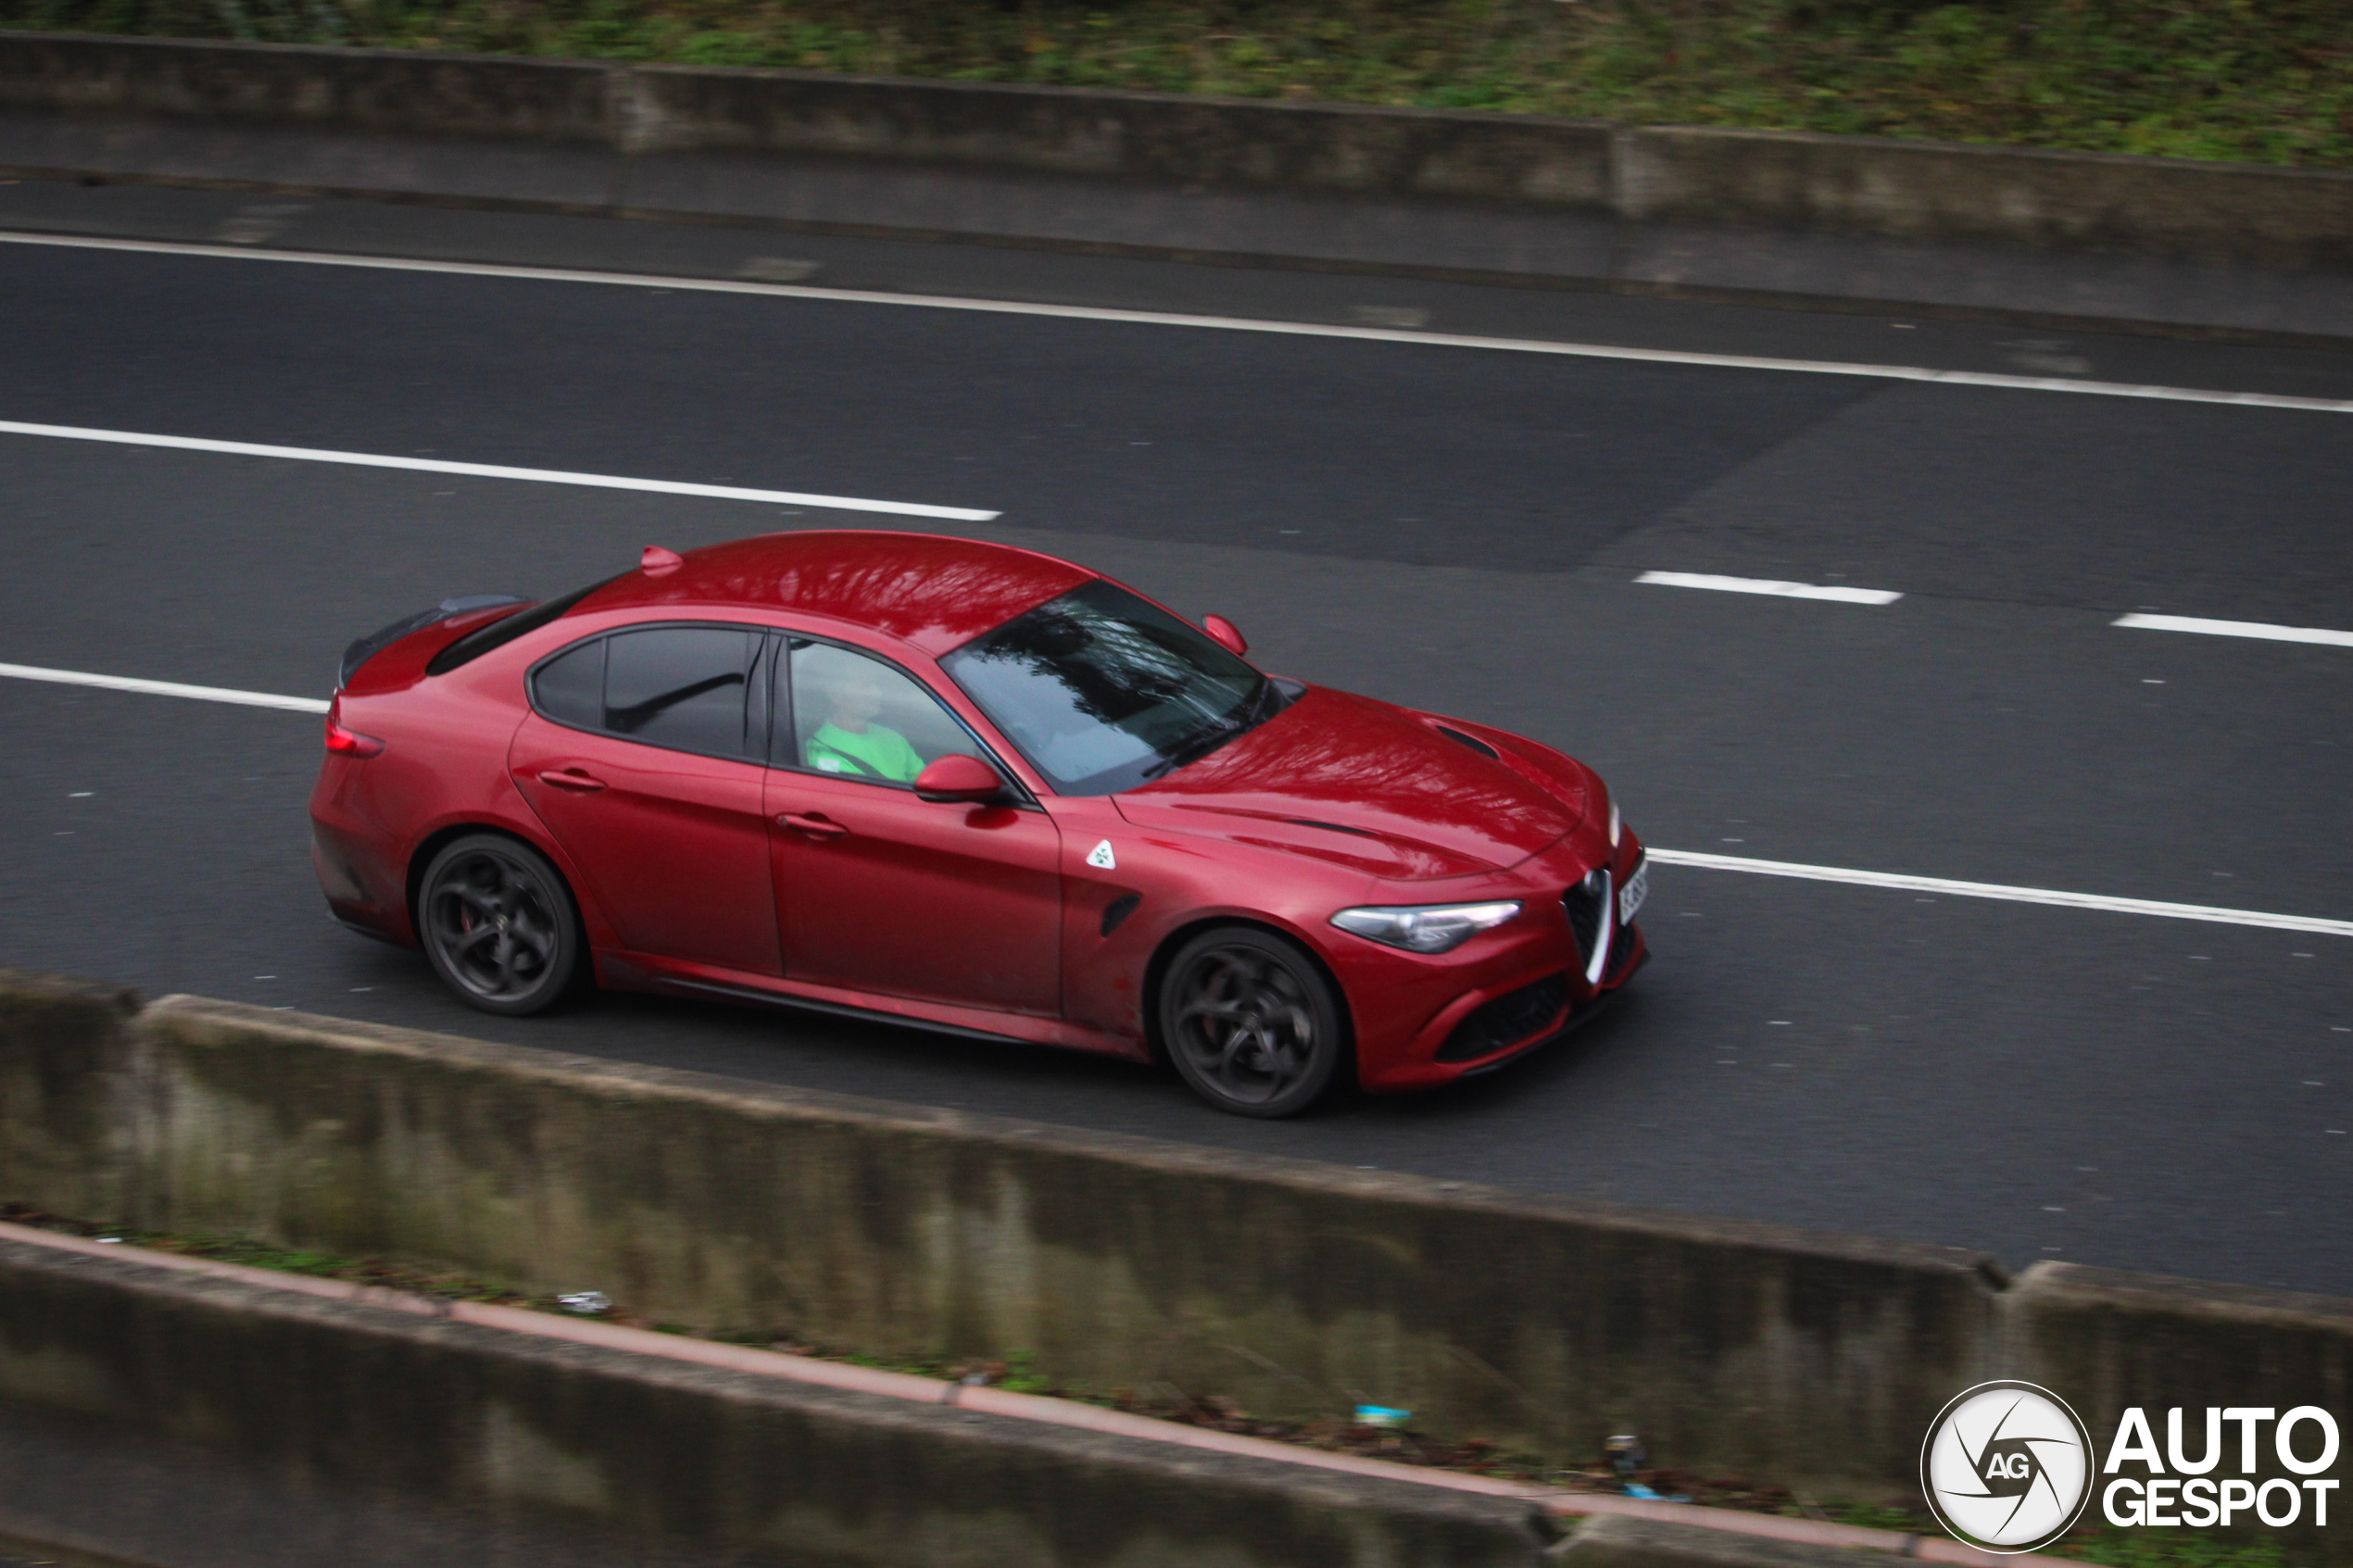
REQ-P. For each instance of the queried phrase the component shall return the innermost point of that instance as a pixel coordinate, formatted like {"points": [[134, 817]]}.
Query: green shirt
{"points": [[880, 752]]}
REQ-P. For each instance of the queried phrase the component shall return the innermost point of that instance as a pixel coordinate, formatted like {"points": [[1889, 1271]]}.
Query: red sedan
{"points": [[969, 788]]}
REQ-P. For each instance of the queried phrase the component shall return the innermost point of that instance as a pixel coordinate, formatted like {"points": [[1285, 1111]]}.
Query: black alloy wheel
{"points": [[499, 925], [1251, 1022]]}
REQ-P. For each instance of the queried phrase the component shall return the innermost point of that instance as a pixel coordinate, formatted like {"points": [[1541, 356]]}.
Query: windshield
{"points": [[1103, 691]]}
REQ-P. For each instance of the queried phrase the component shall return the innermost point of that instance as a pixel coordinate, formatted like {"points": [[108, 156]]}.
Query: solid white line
{"points": [[1664, 856], [494, 471], [1767, 586], [1218, 323], [2239, 629], [163, 689], [2013, 895]]}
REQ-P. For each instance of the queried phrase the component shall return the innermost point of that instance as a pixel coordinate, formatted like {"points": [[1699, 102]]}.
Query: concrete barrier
{"points": [[1145, 136], [1927, 190], [624, 130], [2111, 1340], [65, 1133], [488, 1434], [392, 90], [1796, 1359], [1297, 1290]]}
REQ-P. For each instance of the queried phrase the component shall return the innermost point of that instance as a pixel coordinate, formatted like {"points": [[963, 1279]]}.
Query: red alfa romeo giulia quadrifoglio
{"points": [[970, 788]]}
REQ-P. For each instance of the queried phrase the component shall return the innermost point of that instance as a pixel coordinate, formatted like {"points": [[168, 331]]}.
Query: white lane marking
{"points": [[163, 689], [1767, 586], [1664, 856], [492, 470], [1997, 890], [2258, 629], [1220, 323]]}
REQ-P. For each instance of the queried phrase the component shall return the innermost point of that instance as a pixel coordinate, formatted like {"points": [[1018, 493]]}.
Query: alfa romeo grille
{"points": [[1588, 907]]}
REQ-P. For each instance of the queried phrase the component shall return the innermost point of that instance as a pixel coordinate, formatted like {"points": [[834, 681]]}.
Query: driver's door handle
{"points": [[572, 779], [814, 823]]}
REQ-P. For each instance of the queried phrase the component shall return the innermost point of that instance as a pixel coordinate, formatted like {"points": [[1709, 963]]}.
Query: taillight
{"points": [[348, 743]]}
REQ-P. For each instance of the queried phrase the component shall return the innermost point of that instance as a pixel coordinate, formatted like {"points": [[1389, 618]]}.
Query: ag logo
{"points": [[2007, 1467]]}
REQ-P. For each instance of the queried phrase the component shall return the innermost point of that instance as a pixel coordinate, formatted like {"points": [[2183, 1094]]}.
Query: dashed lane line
{"points": [[1664, 856], [1218, 323], [2261, 631], [494, 471], [1767, 586]]}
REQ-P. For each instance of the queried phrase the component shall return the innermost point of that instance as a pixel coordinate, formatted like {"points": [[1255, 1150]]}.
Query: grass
{"points": [[2170, 1549], [2257, 81]]}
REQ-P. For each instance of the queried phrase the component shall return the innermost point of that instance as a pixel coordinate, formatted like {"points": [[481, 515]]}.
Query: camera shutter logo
{"points": [[2008, 1466]]}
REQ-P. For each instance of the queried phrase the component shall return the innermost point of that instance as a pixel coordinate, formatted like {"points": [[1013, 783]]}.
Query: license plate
{"points": [[1630, 898]]}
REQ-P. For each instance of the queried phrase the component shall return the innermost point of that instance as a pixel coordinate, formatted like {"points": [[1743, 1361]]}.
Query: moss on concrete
{"points": [[2205, 79]]}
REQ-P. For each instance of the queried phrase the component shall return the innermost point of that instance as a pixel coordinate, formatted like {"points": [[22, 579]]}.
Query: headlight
{"points": [[1613, 824], [1424, 928]]}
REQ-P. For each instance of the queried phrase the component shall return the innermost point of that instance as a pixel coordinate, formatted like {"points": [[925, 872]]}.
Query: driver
{"points": [[850, 742]]}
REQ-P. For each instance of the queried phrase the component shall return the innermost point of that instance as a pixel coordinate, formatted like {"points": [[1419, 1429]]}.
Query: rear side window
{"points": [[684, 688], [570, 688], [679, 687]]}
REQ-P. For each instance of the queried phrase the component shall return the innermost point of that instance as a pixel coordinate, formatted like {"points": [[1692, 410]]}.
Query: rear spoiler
{"points": [[375, 643]]}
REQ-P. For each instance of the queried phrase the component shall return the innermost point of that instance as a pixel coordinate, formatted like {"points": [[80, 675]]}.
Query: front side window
{"points": [[861, 719], [679, 687], [1103, 690]]}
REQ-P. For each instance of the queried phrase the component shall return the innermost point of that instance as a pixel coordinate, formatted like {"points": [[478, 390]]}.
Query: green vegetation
{"points": [[2263, 83], [2170, 1549]]}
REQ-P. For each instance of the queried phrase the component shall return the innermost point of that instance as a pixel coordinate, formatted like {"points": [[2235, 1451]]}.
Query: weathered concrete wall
{"points": [[2108, 1340], [1132, 135], [625, 129], [1797, 1358], [395, 90], [66, 1141], [1926, 190], [1294, 1288], [748, 1470]]}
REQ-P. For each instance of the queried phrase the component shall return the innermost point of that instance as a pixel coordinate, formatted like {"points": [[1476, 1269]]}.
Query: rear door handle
{"points": [[572, 779], [814, 823]]}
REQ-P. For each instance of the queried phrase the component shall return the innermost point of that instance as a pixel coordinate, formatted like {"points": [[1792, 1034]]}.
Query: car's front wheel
{"points": [[1252, 1023], [499, 924]]}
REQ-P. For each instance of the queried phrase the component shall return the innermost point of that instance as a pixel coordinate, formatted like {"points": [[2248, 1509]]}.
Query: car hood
{"points": [[1372, 787]]}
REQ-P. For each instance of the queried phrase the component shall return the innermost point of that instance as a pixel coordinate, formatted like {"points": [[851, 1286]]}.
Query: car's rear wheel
{"points": [[1252, 1023], [499, 924]]}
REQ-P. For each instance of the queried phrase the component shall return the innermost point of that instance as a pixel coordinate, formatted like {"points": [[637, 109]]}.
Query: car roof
{"points": [[926, 589]]}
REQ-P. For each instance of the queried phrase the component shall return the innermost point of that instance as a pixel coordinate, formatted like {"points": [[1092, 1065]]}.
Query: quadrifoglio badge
{"points": [[2009, 1467]]}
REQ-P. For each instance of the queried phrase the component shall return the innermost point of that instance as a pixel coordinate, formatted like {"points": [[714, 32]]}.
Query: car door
{"points": [[643, 755], [879, 891]]}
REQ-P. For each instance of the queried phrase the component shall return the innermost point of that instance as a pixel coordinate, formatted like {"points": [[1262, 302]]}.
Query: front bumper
{"points": [[1422, 1021]]}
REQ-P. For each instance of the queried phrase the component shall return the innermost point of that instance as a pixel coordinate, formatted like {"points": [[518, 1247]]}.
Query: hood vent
{"points": [[1472, 741]]}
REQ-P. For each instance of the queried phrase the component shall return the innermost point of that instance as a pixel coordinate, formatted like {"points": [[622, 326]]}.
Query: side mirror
{"points": [[958, 778], [1226, 634]]}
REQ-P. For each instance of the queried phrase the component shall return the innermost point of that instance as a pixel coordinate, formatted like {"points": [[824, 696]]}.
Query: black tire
{"points": [[499, 925], [1251, 1022]]}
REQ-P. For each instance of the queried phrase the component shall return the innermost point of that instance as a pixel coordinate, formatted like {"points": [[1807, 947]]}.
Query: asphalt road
{"points": [[1452, 527]]}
